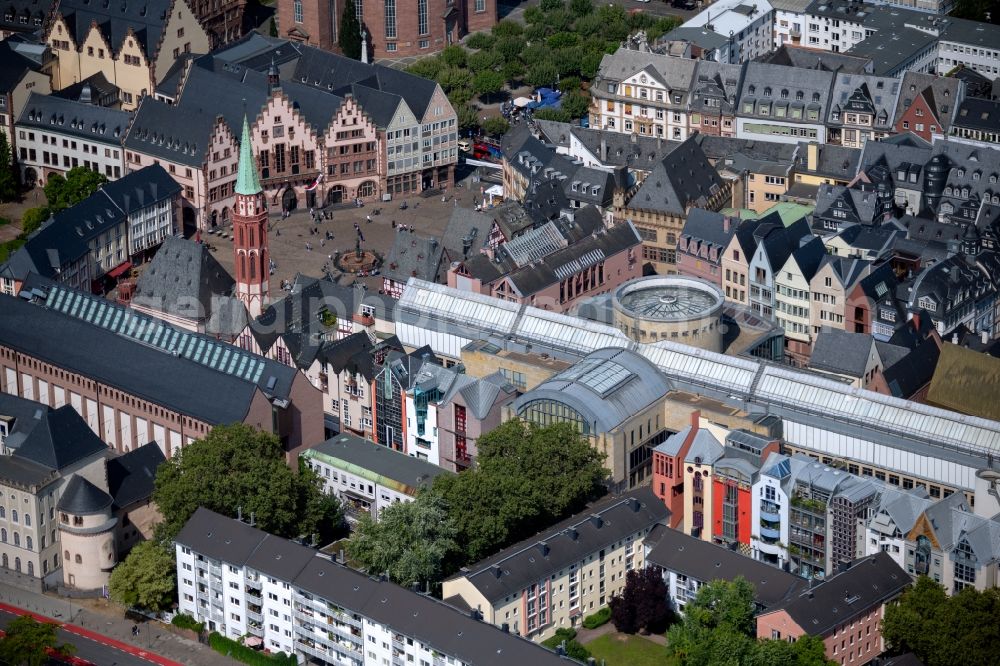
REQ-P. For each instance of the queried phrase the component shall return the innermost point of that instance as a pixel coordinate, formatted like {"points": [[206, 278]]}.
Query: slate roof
{"points": [[184, 279], [141, 189], [841, 352], [835, 161], [890, 55], [676, 74], [564, 262], [951, 284], [431, 622], [940, 93], [600, 525], [978, 114], [375, 462], [480, 395], [708, 228], [618, 149], [51, 438], [145, 370], [13, 65], [868, 583], [966, 381], [131, 476], [861, 93], [350, 353], [72, 118], [465, 234], [171, 132], [864, 237], [715, 81], [413, 256], [809, 256], [705, 448], [115, 20], [682, 179], [801, 90], [705, 562], [83, 498], [804, 58], [902, 507], [912, 372]]}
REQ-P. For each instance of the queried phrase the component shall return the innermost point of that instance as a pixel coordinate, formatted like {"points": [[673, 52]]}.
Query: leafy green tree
{"points": [[488, 83], [453, 78], [662, 27], [555, 115], [468, 115], [509, 47], [534, 15], [526, 479], [581, 7], [427, 68], [551, 5], [454, 56], [566, 637], [512, 70], [237, 467], [146, 578], [33, 219], [480, 41], [480, 61], [808, 651], [349, 38], [558, 20], [495, 126], [642, 603], [507, 28], [460, 97], [8, 170], [79, 183], [575, 104], [410, 542], [27, 641], [562, 40], [542, 73]]}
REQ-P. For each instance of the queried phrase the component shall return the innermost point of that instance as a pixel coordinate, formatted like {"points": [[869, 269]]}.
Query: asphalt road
{"points": [[92, 651]]}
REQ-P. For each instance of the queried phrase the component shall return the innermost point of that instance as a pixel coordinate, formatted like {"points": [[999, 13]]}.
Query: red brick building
{"points": [[845, 610], [393, 29]]}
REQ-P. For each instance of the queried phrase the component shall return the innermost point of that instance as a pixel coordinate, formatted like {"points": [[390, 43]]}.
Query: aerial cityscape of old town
{"points": [[500, 332]]}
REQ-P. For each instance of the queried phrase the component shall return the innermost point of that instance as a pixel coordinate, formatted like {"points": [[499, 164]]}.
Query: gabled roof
{"points": [[841, 352], [53, 438], [83, 498], [914, 371], [132, 475], [171, 132], [480, 395], [412, 256], [13, 65], [607, 522], [115, 20], [868, 583], [704, 561], [431, 622], [73, 118], [683, 179], [809, 256], [184, 279], [351, 353], [709, 227], [939, 92]]}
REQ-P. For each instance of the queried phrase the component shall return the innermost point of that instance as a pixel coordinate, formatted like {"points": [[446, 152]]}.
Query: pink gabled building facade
{"points": [[702, 244]]}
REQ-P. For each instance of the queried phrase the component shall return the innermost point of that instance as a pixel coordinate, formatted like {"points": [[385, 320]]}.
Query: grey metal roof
{"points": [[53, 438], [863, 93], [480, 395], [607, 388], [348, 452], [709, 228], [674, 73], [65, 116], [412, 256], [868, 583], [465, 234], [978, 114], [804, 58], [193, 374], [83, 498], [705, 448], [142, 188], [610, 521], [439, 626], [802, 89], [705, 561], [170, 132], [889, 55]]}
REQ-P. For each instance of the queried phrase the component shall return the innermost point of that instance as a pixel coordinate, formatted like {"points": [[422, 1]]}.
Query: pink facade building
{"points": [[470, 412], [703, 242]]}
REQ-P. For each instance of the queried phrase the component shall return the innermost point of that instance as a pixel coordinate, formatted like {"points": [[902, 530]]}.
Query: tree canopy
{"points": [[349, 38], [718, 628], [942, 630], [28, 641], [238, 467], [642, 604], [78, 184], [8, 170], [410, 541], [146, 578], [526, 478]]}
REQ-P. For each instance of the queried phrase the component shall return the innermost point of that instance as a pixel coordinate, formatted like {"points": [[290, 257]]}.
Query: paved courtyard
{"points": [[288, 237]]}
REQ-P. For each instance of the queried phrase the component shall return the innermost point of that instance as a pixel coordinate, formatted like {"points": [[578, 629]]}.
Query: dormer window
{"points": [[752, 90], [767, 92], [799, 95], [784, 93]]}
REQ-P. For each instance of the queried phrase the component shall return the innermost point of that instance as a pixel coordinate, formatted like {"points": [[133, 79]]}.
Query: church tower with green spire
{"points": [[250, 247]]}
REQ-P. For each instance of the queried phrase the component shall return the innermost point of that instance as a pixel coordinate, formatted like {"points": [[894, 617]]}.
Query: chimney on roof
{"points": [[954, 338], [812, 156], [954, 273], [984, 336], [604, 150], [543, 548], [725, 223], [273, 78], [695, 416]]}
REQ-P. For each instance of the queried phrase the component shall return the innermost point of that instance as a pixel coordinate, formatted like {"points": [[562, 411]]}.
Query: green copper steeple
{"points": [[247, 181]]}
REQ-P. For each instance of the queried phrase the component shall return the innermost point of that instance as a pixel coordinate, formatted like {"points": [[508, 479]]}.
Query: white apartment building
{"points": [[367, 477], [55, 135], [789, 19], [150, 199], [241, 581], [744, 28], [973, 44]]}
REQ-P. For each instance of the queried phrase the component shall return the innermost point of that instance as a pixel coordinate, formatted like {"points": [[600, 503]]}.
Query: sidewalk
{"points": [[111, 623]]}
